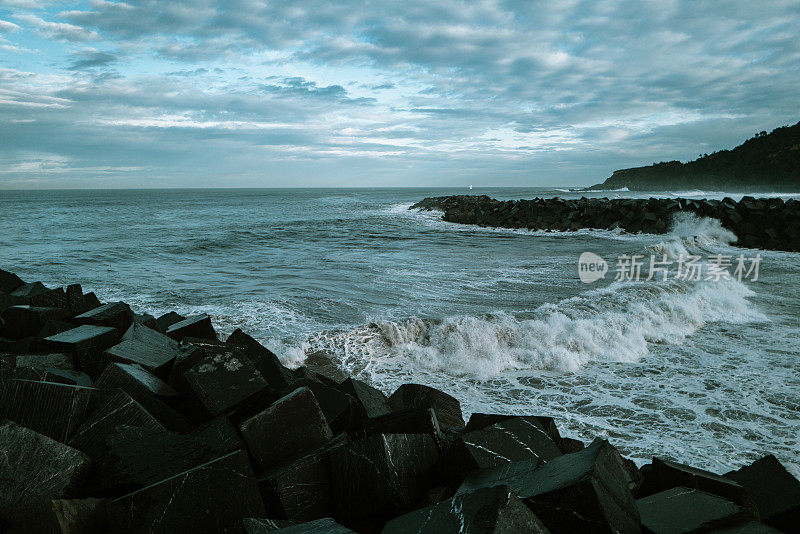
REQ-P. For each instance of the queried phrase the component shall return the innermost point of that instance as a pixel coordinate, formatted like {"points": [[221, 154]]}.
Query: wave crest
{"points": [[614, 324]]}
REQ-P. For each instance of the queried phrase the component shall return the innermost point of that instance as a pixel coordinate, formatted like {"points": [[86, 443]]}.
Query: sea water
{"points": [[706, 372]]}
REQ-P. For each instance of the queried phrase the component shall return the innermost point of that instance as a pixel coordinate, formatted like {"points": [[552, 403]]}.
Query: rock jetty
{"points": [[114, 421], [763, 223]]}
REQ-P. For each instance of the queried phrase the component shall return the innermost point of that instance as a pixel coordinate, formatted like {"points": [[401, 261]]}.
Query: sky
{"points": [[264, 93]]}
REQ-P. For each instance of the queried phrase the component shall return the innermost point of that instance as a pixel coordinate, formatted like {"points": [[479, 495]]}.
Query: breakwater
{"points": [[762, 223], [117, 421]]}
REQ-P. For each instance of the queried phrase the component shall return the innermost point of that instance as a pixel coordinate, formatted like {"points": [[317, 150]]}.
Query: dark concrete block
{"points": [[85, 338], [416, 421], [42, 361], [377, 477], [518, 438], [264, 359], [207, 498], [46, 374], [92, 301], [138, 457], [81, 516], [226, 382], [372, 401], [258, 526], [9, 281], [34, 469], [52, 298], [578, 492], [136, 382], [748, 527], [86, 342], [23, 294], [5, 303], [114, 314], [54, 327], [167, 320], [299, 490], [773, 490], [55, 410], [146, 347], [318, 526], [342, 411], [76, 301], [149, 391], [145, 319], [664, 475], [484, 511], [447, 408], [291, 426], [684, 510], [115, 408], [23, 320], [196, 326]]}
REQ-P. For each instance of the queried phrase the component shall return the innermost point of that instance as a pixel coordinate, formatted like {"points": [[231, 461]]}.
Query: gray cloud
{"points": [[58, 31], [555, 92]]}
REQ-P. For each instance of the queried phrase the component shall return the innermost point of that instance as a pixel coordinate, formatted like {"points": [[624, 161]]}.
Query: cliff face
{"points": [[766, 162]]}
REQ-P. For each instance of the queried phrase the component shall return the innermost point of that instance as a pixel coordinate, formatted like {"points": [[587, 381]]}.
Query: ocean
{"points": [[701, 371]]}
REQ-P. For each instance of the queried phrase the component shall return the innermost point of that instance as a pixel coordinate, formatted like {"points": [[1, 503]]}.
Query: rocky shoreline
{"points": [[112, 421], [764, 223]]}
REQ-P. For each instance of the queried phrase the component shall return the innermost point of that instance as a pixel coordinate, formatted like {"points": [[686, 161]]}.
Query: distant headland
{"points": [[768, 162]]}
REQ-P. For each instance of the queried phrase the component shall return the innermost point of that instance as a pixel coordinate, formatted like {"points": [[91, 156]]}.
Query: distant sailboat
{"points": [[470, 187]]}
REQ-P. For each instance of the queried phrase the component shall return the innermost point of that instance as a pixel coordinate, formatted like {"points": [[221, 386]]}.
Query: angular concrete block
{"points": [[114, 409], [114, 314], [372, 401], [196, 326], [688, 510], [34, 469], [377, 477], [207, 498], [514, 439], [664, 475], [135, 381], [167, 320], [447, 408], [146, 347], [486, 510], [225, 382], [84, 338], [138, 457], [299, 490], [9, 281], [773, 490], [81, 516], [341, 410], [415, 421], [55, 410], [291, 426], [267, 363], [582, 491], [23, 320]]}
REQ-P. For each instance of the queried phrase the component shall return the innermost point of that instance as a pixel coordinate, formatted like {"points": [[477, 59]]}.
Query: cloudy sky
{"points": [[149, 93]]}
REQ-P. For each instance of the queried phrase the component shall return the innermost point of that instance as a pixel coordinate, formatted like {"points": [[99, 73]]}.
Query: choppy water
{"points": [[701, 371]]}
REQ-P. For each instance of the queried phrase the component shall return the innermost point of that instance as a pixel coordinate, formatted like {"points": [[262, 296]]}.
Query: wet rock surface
{"points": [[114, 421], [765, 223]]}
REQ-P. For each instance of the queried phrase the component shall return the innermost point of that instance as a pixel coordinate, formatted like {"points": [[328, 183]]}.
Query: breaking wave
{"points": [[614, 324]]}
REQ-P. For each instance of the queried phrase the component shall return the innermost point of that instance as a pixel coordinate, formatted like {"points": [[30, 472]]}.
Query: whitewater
{"points": [[703, 371]]}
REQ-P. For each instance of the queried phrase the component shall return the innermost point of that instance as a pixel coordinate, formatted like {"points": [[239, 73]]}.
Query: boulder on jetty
{"points": [[111, 421], [765, 223]]}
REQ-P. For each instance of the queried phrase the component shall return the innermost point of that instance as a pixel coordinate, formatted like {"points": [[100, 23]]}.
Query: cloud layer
{"points": [[258, 93]]}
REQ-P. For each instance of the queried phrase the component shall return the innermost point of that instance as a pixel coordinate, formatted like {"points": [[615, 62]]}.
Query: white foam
{"points": [[615, 324]]}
